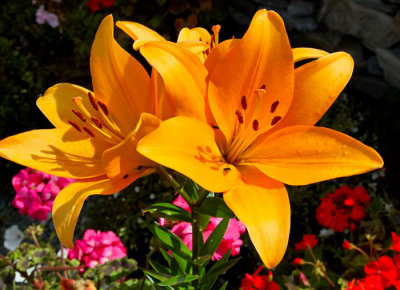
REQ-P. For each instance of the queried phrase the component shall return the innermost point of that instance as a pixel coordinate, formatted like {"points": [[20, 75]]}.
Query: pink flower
{"points": [[231, 239], [36, 191], [43, 16], [97, 248]]}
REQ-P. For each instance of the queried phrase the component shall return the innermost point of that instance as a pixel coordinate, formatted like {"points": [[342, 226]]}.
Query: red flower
{"points": [[346, 245], [341, 209], [308, 240], [383, 270], [395, 242], [107, 3], [260, 282], [297, 261], [94, 5]]}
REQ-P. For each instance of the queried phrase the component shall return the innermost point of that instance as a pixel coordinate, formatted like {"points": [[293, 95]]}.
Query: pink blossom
{"points": [[97, 248], [43, 16], [36, 191], [231, 239]]}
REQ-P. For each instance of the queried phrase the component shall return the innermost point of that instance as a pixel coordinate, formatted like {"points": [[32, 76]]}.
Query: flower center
{"points": [[95, 119]]}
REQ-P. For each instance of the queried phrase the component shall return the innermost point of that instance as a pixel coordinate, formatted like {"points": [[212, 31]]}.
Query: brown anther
{"points": [[125, 176], [243, 102], [239, 116], [103, 107], [263, 87], [255, 125], [274, 106], [75, 125], [93, 101], [97, 122], [212, 41], [79, 114], [77, 101], [90, 132], [275, 120]]}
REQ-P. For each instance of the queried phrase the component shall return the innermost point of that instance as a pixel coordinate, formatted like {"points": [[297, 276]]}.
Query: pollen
{"points": [[255, 125], [275, 120], [90, 132], [79, 114], [75, 125], [103, 107], [97, 122], [274, 106], [239, 116], [93, 101], [243, 102]]}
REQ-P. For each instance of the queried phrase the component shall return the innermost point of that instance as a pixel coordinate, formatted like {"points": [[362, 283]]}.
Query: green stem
{"points": [[175, 184], [323, 271], [196, 244], [23, 273]]}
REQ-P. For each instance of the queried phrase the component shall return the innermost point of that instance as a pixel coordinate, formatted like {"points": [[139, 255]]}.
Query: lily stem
{"points": [[175, 184], [196, 244], [323, 270]]}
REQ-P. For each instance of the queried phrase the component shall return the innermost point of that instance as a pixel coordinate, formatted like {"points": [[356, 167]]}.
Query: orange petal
{"points": [[56, 103], [300, 155], [69, 201], [302, 53], [197, 33], [187, 145], [183, 74], [218, 53], [123, 158], [317, 85], [265, 210], [139, 33], [263, 57], [119, 80], [62, 152], [162, 108]]}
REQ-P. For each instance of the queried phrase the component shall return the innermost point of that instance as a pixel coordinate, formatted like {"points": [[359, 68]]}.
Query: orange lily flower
{"points": [[95, 134], [263, 113]]}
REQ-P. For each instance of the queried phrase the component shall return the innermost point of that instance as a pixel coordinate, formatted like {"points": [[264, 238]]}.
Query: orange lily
{"points": [[95, 134], [263, 114]]}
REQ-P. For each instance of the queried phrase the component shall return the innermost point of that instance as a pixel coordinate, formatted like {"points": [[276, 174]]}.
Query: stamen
{"points": [[90, 132], [75, 125], [77, 101], [103, 107], [274, 106], [275, 120], [244, 103], [97, 122], [216, 29], [93, 101], [212, 41], [79, 114], [239, 116], [255, 125]]}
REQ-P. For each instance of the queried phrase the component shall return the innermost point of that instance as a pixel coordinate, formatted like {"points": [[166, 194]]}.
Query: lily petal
{"points": [[185, 83], [61, 152], [119, 80], [56, 103], [197, 33], [265, 210], [187, 145], [317, 85], [262, 59], [302, 53], [300, 155], [219, 52], [69, 202], [139, 32]]}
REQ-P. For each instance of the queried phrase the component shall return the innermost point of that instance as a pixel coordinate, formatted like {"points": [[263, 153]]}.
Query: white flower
{"points": [[19, 279], [326, 233], [13, 237]]}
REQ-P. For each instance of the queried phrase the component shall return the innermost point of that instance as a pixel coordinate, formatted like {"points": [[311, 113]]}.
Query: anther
{"points": [[243, 102], [227, 169], [77, 101], [103, 107], [93, 101], [239, 116], [75, 125], [215, 127], [90, 132], [275, 120], [255, 125], [263, 87], [125, 176], [274, 106], [97, 122], [79, 114]]}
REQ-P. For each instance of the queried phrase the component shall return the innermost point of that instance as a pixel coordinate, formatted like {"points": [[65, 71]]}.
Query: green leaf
{"points": [[223, 287], [215, 238], [215, 206], [191, 189], [160, 268], [179, 279], [169, 211], [180, 251], [204, 221]]}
